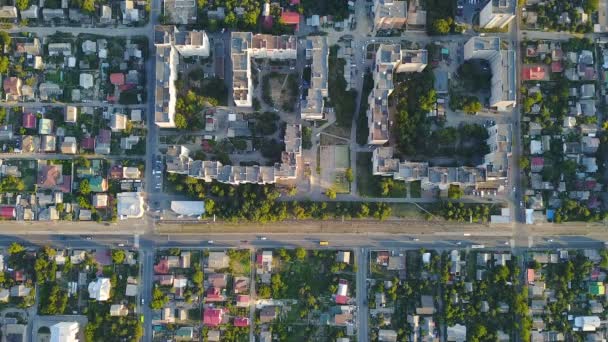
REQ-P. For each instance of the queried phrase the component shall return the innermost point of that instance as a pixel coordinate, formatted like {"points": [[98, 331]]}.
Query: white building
{"points": [[191, 43], [503, 83], [166, 75], [179, 161], [497, 14], [169, 41], [390, 59], [130, 205], [491, 174], [243, 47], [317, 52], [100, 289], [64, 332]]}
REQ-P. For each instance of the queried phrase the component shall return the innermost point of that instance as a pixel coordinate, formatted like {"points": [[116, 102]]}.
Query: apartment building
{"points": [[497, 14], [246, 45], [170, 43], [390, 59], [389, 14], [178, 161], [64, 332], [503, 93], [317, 54], [491, 174]]}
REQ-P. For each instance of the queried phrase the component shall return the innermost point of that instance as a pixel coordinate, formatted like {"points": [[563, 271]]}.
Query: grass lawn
{"points": [[415, 189], [366, 183], [406, 210]]}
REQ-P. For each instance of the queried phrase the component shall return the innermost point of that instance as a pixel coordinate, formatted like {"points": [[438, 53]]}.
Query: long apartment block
{"points": [[503, 93], [178, 161], [170, 43], [317, 54], [246, 45], [488, 175], [390, 59]]}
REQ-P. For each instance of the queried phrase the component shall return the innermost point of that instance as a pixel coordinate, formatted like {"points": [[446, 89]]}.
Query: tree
{"points": [[472, 106], [264, 292], [88, 6], [230, 19], [209, 206], [348, 174], [330, 193], [118, 256], [455, 192], [201, 3], [441, 26], [300, 253], [180, 121], [5, 39], [159, 299], [22, 4], [4, 63], [84, 187], [197, 277], [15, 248]]}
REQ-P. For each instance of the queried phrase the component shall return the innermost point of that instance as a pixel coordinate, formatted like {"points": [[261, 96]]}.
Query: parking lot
{"points": [[157, 172]]}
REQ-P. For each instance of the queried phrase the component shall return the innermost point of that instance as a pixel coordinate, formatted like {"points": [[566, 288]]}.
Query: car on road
{"points": [[210, 242], [323, 243], [142, 301], [263, 238], [87, 237]]}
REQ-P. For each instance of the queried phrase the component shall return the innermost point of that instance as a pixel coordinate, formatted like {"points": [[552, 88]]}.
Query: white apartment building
{"points": [[165, 93], [178, 161], [317, 53], [390, 59], [191, 43], [496, 14], [502, 63], [169, 43], [246, 45], [64, 332], [489, 175]]}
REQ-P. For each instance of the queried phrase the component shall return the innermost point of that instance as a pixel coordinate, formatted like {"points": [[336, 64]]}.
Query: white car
{"points": [[263, 238], [210, 242]]}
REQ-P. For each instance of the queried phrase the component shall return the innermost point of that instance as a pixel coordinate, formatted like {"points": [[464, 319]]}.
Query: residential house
{"points": [[12, 88]]}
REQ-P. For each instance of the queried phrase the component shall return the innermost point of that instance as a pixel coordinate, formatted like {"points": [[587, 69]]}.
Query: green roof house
{"points": [[597, 288]]}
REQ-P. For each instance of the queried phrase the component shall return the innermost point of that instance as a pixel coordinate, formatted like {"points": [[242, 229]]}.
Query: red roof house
{"points": [[117, 78], [7, 212], [88, 143], [241, 322], [557, 66], [213, 317], [537, 163], [162, 267], [242, 300], [29, 120], [290, 18], [530, 276], [534, 73], [214, 294], [19, 275]]}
